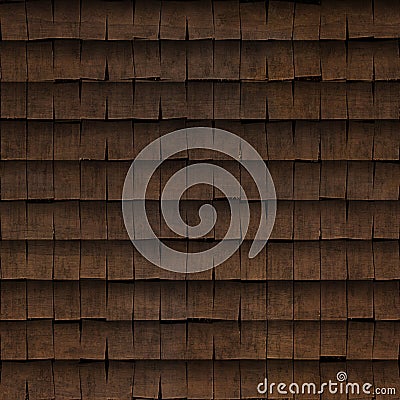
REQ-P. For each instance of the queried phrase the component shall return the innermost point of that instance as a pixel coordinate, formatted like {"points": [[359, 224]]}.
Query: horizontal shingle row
{"points": [[117, 260], [148, 340], [153, 100], [298, 220], [199, 60], [197, 379], [199, 20], [200, 300], [104, 180], [123, 140]]}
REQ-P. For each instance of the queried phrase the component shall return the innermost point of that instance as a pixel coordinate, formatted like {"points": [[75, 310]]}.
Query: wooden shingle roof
{"points": [[85, 85]]}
